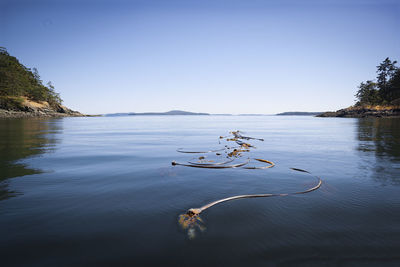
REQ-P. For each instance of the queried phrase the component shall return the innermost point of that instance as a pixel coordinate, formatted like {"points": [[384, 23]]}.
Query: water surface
{"points": [[102, 192]]}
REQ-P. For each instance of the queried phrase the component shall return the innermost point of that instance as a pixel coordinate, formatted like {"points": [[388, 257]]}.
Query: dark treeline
{"points": [[16, 81], [385, 90]]}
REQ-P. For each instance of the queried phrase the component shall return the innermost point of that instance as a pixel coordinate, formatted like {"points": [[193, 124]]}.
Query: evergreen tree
{"points": [[17, 80], [394, 86], [387, 88], [368, 94], [386, 71]]}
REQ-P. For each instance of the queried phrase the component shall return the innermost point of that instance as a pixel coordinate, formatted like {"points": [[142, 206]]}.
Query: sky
{"points": [[216, 56]]}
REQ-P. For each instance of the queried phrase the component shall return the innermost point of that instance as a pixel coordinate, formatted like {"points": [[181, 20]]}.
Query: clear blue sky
{"points": [[203, 56]]}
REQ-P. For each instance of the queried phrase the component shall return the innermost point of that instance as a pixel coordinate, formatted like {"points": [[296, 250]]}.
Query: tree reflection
{"points": [[379, 143], [21, 139]]}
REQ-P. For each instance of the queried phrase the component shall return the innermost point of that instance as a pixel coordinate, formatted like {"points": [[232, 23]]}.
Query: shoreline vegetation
{"points": [[375, 98], [23, 94]]}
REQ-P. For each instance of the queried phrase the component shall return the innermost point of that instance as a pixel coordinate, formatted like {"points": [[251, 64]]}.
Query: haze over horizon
{"points": [[260, 57]]}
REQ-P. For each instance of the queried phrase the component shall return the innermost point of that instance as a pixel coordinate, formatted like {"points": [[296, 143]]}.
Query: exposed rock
{"points": [[30, 114], [364, 111], [29, 108]]}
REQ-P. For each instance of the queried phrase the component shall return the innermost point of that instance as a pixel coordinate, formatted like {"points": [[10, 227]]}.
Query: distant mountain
{"points": [[172, 112], [251, 114], [299, 113], [116, 114]]}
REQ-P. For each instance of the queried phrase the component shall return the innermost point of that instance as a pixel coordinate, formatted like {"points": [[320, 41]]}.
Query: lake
{"points": [[102, 191]]}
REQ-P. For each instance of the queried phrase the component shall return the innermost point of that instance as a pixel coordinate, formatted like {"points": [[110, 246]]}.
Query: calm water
{"points": [[102, 192]]}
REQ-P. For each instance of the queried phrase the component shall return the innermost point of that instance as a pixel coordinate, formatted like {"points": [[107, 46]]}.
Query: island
{"points": [[23, 94], [298, 113], [375, 98], [172, 112]]}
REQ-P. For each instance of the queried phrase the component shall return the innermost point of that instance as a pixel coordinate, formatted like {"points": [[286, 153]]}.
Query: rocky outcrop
{"points": [[38, 113], [364, 111], [26, 108]]}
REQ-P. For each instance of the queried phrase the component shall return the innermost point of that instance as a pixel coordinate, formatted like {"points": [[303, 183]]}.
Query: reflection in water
{"points": [[379, 143], [21, 139]]}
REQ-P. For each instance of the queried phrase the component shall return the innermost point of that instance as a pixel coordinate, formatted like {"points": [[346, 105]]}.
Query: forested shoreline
{"points": [[23, 94], [384, 90], [375, 98]]}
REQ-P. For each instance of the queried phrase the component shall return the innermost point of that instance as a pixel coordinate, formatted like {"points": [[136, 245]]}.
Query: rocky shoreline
{"points": [[38, 114], [25, 108], [363, 112]]}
